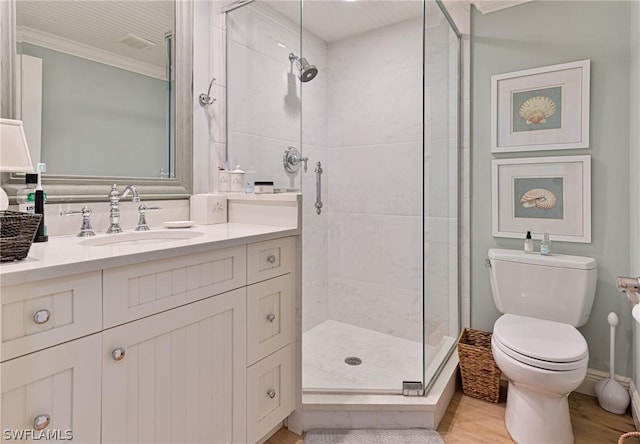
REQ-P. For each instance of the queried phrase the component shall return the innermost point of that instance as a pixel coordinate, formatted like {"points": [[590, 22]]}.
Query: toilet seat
{"points": [[540, 343]]}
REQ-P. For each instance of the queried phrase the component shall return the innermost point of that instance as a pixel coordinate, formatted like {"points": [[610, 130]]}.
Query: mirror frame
{"points": [[65, 188]]}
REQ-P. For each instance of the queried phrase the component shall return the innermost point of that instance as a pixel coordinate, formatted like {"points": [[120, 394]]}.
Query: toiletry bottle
{"points": [[528, 243], [27, 196], [41, 234], [545, 245]]}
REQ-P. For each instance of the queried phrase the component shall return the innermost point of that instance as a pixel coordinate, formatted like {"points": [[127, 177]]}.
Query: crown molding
{"points": [[50, 41]]}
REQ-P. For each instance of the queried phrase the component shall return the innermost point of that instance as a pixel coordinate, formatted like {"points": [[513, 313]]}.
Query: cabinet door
{"points": [[58, 387], [182, 376]]}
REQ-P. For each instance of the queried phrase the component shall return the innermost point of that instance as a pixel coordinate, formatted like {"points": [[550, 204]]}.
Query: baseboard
{"points": [[635, 404], [593, 376]]}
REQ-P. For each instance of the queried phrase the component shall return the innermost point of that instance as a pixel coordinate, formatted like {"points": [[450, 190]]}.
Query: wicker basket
{"points": [[626, 438], [480, 374], [17, 231]]}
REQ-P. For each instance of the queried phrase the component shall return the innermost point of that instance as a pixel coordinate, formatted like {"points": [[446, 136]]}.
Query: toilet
{"points": [[535, 342]]}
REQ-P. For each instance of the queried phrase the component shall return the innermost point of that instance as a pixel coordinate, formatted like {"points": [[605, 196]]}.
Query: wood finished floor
{"points": [[472, 421]]}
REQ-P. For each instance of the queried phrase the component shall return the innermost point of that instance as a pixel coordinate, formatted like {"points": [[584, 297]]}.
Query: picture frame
{"points": [[543, 108], [542, 195]]}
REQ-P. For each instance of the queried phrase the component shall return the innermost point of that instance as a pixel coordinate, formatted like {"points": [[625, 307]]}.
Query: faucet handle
{"points": [[86, 230], [142, 221]]}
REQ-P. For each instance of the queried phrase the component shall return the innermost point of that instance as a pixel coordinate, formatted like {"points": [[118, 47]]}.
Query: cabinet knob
{"points": [[271, 259], [41, 317], [271, 393], [41, 422], [271, 317], [118, 354]]}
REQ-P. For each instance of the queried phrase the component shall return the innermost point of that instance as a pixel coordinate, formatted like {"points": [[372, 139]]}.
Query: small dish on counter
{"points": [[179, 223]]}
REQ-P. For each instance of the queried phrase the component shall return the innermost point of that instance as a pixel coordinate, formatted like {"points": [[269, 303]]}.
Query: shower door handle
{"points": [[318, 172]]}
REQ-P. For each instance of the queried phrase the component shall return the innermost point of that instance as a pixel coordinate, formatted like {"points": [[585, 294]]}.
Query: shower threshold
{"points": [[355, 410]]}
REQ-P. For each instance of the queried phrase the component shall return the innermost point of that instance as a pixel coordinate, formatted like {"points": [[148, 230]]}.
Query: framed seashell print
{"points": [[543, 108], [542, 195]]}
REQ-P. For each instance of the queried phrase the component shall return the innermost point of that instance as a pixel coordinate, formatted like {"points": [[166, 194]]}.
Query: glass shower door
{"points": [[362, 118], [441, 149]]}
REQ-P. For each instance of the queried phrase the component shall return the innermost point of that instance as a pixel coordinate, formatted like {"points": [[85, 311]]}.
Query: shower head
{"points": [[307, 72]]}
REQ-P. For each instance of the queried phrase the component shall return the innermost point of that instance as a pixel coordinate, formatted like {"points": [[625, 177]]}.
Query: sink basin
{"points": [[140, 238]]}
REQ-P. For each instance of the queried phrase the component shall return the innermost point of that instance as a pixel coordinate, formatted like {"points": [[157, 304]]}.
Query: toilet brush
{"points": [[611, 395]]}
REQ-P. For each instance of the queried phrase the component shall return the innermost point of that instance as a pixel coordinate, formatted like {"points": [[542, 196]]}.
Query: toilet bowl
{"points": [[544, 361]]}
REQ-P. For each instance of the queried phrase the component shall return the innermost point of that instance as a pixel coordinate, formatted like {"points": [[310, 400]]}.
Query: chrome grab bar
{"points": [[318, 172]]}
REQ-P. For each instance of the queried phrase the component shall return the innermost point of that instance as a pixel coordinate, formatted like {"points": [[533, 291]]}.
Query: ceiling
{"points": [[334, 20], [100, 23]]}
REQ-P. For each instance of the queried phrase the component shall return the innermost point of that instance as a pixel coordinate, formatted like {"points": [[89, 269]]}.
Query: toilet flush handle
{"points": [[487, 263]]}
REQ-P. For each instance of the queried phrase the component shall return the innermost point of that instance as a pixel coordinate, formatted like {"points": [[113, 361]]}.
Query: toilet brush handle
{"points": [[612, 353], [613, 322]]}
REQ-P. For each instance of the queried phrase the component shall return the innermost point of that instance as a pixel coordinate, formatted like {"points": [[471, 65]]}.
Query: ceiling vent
{"points": [[134, 41]]}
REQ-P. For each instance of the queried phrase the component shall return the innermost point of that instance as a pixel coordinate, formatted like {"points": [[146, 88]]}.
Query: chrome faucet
{"points": [[114, 210]]}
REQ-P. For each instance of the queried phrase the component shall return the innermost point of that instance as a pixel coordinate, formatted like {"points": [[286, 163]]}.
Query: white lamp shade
{"points": [[14, 152]]}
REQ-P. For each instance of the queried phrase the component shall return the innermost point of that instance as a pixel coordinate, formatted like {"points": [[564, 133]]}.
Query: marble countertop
{"points": [[64, 255]]}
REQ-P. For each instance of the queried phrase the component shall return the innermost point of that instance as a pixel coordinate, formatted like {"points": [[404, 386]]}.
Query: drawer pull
{"points": [[271, 393], [118, 354], [271, 259], [41, 317], [271, 317], [41, 422]]}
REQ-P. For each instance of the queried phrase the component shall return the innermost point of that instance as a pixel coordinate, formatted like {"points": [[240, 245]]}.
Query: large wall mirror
{"points": [[104, 90]]}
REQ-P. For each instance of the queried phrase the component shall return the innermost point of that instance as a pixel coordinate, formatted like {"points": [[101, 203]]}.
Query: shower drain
{"points": [[352, 360]]}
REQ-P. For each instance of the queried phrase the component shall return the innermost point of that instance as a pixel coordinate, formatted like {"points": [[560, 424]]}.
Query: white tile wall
{"points": [[362, 119]]}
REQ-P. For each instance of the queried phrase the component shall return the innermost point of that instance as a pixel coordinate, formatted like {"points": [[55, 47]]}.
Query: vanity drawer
{"points": [[136, 291], [40, 314], [269, 393], [266, 260], [269, 317]]}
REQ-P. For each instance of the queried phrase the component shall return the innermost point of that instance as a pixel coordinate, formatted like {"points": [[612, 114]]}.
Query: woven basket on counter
{"points": [[17, 231], [480, 374]]}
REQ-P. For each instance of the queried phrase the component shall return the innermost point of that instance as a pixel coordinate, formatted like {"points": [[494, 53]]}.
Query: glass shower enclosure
{"points": [[367, 92]]}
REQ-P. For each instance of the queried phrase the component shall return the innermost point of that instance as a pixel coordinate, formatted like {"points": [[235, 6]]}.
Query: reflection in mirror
{"points": [[95, 85], [104, 90]]}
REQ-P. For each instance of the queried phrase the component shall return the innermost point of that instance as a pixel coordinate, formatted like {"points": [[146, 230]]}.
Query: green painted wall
{"points": [[545, 33]]}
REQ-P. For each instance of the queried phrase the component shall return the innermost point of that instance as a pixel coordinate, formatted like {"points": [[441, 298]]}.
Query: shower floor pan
{"points": [[337, 398]]}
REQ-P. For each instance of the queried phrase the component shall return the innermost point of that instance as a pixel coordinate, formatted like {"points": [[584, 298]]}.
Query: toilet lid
{"points": [[540, 340]]}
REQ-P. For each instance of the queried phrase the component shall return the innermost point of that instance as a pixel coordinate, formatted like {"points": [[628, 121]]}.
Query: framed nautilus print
{"points": [[542, 195], [543, 108]]}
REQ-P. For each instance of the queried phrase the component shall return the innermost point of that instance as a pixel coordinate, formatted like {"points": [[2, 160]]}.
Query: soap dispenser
{"points": [[237, 180]]}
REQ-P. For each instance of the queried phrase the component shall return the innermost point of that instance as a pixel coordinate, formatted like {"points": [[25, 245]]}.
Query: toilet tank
{"points": [[557, 287]]}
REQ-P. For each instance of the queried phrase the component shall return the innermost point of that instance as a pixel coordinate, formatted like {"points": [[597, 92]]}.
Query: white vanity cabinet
{"points": [[194, 348]]}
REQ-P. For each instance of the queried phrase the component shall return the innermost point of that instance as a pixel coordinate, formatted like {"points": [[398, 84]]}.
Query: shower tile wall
{"points": [[375, 180], [264, 115], [362, 118]]}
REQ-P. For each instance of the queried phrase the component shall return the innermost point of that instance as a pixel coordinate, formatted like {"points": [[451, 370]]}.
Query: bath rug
{"points": [[373, 436]]}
